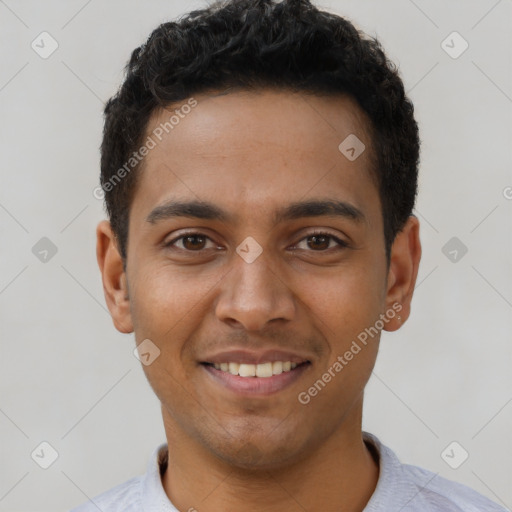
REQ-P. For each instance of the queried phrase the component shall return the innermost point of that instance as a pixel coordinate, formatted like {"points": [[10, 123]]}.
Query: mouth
{"points": [[256, 379], [262, 370]]}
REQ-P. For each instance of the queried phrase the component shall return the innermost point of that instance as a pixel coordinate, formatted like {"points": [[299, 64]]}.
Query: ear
{"points": [[115, 285], [403, 271]]}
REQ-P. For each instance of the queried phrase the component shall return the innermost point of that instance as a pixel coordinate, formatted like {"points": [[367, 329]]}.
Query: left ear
{"points": [[403, 271]]}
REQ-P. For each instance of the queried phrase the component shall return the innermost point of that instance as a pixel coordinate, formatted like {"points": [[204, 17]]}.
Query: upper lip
{"points": [[245, 356]]}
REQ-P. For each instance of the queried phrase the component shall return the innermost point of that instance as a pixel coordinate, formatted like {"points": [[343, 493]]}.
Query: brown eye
{"points": [[322, 242], [318, 242], [191, 242], [194, 242]]}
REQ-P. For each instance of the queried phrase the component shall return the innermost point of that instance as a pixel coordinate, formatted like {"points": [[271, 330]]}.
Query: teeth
{"points": [[233, 368], [263, 370], [277, 367], [256, 370], [247, 370]]}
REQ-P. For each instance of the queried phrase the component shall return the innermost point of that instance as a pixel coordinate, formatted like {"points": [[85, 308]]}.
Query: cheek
{"points": [[341, 309], [167, 308], [346, 301], [166, 300]]}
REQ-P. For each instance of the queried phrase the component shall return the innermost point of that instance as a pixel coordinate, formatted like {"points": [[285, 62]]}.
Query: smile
{"points": [[256, 370], [256, 379]]}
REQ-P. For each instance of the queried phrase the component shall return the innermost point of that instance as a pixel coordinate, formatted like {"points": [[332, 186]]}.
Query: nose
{"points": [[253, 295]]}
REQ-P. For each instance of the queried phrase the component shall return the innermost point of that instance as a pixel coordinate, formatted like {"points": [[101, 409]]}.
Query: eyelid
{"points": [[315, 232], [184, 234], [318, 231]]}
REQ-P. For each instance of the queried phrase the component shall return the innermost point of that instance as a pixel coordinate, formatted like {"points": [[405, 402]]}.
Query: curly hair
{"points": [[256, 44]]}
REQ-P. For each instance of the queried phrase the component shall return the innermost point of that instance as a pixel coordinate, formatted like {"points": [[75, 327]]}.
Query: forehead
{"points": [[248, 150]]}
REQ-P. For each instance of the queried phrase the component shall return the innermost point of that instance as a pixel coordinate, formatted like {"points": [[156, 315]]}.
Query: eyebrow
{"points": [[293, 211]]}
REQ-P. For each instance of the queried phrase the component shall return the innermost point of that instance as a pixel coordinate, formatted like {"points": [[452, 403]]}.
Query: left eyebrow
{"points": [[319, 208], [293, 211]]}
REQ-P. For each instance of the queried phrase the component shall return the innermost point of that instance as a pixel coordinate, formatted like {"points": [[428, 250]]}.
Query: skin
{"points": [[251, 153]]}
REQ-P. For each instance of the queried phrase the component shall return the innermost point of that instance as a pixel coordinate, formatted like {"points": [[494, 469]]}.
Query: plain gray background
{"points": [[70, 379]]}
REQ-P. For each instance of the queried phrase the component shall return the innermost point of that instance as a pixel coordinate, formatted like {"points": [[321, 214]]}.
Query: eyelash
{"points": [[341, 243]]}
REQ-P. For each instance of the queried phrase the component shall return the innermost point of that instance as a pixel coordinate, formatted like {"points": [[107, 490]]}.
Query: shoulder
{"points": [[125, 497], [446, 495], [413, 489]]}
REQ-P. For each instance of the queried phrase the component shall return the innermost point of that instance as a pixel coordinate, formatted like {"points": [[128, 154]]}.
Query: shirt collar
{"points": [[154, 498], [393, 489]]}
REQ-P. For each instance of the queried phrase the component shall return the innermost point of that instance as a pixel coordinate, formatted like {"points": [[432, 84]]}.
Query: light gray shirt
{"points": [[400, 488]]}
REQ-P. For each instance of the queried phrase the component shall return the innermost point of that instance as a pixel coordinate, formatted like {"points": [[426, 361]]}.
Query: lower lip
{"points": [[251, 386]]}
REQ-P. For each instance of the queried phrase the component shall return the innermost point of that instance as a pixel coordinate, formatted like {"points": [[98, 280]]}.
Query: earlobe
{"points": [[403, 271], [115, 284]]}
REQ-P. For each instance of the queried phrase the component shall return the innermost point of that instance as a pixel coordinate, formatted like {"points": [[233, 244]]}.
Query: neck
{"points": [[340, 474]]}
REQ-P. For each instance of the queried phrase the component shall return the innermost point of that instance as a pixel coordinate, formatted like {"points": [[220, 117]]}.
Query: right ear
{"points": [[115, 285]]}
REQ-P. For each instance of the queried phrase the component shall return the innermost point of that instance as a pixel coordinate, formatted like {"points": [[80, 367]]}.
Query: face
{"points": [[254, 239]]}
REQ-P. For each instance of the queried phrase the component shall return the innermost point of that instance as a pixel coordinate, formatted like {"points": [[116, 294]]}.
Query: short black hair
{"points": [[253, 45]]}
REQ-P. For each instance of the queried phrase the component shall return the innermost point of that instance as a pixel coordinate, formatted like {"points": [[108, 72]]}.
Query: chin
{"points": [[257, 453]]}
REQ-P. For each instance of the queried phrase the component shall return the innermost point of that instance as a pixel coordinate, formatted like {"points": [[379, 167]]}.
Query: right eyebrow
{"points": [[193, 209]]}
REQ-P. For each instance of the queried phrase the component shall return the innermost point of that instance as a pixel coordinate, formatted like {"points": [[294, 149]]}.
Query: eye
{"points": [[191, 241], [320, 241]]}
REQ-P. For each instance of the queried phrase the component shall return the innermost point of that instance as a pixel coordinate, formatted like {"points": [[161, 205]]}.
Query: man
{"points": [[259, 165]]}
